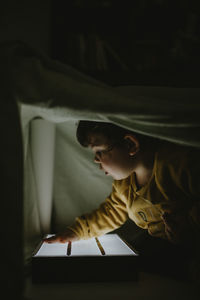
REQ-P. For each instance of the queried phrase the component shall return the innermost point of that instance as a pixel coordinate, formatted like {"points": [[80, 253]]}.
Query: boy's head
{"points": [[116, 149]]}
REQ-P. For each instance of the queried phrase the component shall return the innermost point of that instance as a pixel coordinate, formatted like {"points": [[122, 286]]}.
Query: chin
{"points": [[120, 177]]}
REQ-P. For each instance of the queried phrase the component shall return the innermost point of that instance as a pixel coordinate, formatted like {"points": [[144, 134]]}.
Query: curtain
{"points": [[58, 93]]}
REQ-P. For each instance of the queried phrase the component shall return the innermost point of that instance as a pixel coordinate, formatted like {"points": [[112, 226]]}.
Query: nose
{"points": [[97, 160]]}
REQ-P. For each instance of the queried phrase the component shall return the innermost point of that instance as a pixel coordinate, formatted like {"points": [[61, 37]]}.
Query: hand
{"points": [[66, 236], [177, 227]]}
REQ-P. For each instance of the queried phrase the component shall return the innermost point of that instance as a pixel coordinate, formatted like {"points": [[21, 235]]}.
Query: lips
{"points": [[101, 168]]}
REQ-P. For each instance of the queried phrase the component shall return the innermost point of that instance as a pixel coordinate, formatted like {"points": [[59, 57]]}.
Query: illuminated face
{"points": [[115, 160]]}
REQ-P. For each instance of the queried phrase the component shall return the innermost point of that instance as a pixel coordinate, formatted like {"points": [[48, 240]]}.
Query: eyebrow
{"points": [[93, 147], [96, 144]]}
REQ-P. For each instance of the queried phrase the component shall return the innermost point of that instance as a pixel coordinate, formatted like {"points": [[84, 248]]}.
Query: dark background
{"points": [[142, 42]]}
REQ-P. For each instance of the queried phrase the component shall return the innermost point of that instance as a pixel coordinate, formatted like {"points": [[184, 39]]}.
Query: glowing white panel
{"points": [[85, 248], [113, 245], [56, 249], [110, 244]]}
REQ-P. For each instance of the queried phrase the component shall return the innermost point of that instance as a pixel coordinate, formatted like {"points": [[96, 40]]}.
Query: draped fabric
{"points": [[59, 93], [51, 98]]}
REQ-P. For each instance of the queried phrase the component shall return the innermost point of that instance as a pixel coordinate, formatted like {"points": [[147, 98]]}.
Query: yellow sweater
{"points": [[174, 186]]}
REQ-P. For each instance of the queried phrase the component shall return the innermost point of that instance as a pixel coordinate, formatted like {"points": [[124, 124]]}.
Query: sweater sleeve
{"points": [[193, 175], [179, 183], [111, 214]]}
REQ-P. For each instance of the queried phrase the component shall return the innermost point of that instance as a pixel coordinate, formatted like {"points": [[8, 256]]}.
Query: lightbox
{"points": [[107, 258]]}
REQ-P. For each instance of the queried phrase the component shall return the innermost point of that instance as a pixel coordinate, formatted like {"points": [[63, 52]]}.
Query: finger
{"points": [[167, 226], [170, 235], [166, 217], [63, 241], [52, 239], [168, 221]]}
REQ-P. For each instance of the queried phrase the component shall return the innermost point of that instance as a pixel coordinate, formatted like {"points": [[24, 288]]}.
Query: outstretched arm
{"points": [[111, 214]]}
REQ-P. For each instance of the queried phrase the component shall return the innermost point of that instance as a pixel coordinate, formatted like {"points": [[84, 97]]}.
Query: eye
{"points": [[98, 153], [103, 151]]}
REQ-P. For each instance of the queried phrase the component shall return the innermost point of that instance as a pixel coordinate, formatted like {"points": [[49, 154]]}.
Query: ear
{"points": [[132, 144]]}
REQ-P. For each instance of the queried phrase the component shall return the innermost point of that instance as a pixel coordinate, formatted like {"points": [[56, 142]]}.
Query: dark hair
{"points": [[114, 133]]}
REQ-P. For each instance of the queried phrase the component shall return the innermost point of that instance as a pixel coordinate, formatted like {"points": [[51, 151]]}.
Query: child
{"points": [[156, 184]]}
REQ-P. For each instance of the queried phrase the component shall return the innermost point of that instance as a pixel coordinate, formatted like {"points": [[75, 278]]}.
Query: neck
{"points": [[143, 176], [144, 167]]}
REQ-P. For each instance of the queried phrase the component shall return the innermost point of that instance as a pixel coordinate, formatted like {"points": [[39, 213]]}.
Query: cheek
{"points": [[117, 161]]}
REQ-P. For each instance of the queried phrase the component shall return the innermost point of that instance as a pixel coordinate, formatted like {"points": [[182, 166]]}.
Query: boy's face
{"points": [[114, 160]]}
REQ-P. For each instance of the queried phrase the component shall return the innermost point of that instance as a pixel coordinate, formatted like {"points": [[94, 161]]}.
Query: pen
{"points": [[100, 246]]}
